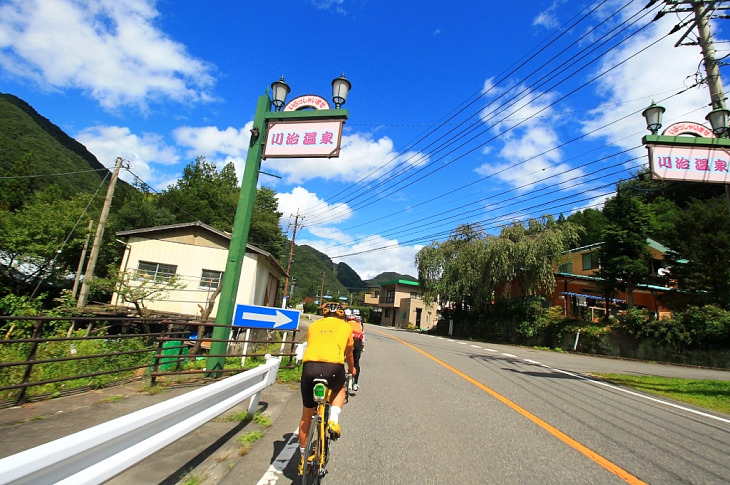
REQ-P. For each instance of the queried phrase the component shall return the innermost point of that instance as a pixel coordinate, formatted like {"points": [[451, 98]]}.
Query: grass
{"points": [[713, 395], [248, 439]]}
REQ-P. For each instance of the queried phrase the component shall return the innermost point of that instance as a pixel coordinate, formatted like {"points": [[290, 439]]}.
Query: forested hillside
{"points": [[34, 148]]}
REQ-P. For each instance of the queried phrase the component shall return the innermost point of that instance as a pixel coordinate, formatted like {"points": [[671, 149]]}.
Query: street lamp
{"points": [[653, 115], [718, 119], [340, 88], [279, 91]]}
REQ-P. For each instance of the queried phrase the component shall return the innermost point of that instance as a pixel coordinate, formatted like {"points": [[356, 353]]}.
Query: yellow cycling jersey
{"points": [[327, 339]]}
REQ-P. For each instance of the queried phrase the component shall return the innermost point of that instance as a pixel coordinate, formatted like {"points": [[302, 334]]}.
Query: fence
{"points": [[95, 352], [99, 453]]}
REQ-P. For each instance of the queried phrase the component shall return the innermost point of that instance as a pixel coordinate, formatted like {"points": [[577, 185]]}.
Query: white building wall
{"points": [[190, 261]]}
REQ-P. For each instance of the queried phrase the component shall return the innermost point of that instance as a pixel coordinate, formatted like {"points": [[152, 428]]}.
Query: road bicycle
{"points": [[318, 440]]}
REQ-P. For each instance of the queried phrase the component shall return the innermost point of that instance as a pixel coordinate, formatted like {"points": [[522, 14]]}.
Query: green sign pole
{"points": [[242, 222], [239, 238]]}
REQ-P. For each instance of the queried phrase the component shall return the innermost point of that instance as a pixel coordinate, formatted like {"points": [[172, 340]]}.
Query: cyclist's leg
{"points": [[356, 353]]}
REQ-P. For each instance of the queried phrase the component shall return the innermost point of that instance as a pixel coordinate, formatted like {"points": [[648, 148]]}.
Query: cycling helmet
{"points": [[333, 309]]}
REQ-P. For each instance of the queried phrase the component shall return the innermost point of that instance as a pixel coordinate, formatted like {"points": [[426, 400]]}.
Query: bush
{"points": [[706, 327]]}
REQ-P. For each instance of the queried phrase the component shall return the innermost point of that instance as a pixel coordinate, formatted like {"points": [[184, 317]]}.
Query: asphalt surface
{"points": [[211, 454]]}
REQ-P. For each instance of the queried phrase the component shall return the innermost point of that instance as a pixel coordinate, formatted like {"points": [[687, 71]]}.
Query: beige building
{"points": [[196, 253], [401, 305]]}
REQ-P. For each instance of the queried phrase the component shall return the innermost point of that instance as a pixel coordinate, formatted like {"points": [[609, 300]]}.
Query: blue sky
{"points": [[463, 112]]}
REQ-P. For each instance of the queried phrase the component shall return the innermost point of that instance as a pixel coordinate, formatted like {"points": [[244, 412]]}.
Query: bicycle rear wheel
{"points": [[311, 471]]}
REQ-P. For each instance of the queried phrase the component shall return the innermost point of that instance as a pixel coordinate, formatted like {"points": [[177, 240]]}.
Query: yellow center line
{"points": [[608, 465]]}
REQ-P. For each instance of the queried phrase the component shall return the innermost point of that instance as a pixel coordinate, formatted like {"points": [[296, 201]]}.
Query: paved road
{"points": [[436, 410]]}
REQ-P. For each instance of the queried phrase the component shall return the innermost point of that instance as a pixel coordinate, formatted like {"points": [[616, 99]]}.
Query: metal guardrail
{"points": [[103, 451]]}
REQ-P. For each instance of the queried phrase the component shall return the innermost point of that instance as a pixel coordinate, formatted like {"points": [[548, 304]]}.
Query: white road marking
{"points": [[276, 469], [660, 401], [475, 346]]}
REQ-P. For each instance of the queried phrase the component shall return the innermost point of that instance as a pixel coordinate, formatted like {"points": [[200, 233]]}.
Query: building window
{"points": [[566, 267], [390, 295], [210, 279], [387, 313], [156, 270], [590, 261]]}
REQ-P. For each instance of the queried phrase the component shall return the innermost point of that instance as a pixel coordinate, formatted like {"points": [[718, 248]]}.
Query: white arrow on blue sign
{"points": [[253, 316]]}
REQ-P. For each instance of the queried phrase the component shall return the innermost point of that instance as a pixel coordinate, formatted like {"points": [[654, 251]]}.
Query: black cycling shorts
{"points": [[334, 373]]}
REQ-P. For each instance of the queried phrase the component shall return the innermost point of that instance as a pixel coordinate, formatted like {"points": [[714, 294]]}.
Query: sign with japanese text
{"points": [[308, 101], [688, 128], [303, 139], [689, 164]]}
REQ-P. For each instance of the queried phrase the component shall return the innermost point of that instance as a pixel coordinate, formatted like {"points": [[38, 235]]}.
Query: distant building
{"points": [[197, 254], [578, 292], [401, 305]]}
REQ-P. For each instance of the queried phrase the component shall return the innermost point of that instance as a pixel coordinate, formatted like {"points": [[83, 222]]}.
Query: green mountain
{"points": [[390, 276], [31, 145], [311, 269]]}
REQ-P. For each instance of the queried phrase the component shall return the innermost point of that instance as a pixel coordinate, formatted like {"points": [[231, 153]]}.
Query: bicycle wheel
{"points": [[310, 473]]}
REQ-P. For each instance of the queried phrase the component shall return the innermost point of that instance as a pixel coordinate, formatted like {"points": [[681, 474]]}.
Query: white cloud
{"points": [[529, 141], [655, 74], [361, 158], [301, 201], [548, 17], [217, 146], [110, 49], [143, 152]]}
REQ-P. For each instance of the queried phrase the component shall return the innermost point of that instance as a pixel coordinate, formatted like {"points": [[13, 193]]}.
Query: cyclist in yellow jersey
{"points": [[329, 345]]}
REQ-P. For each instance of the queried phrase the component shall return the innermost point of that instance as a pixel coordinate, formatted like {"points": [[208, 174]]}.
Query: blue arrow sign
{"points": [[253, 316]]}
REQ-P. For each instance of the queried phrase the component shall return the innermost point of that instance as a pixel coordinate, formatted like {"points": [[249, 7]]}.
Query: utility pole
{"points": [[321, 294], [82, 259], [89, 275], [702, 12], [714, 82], [291, 257]]}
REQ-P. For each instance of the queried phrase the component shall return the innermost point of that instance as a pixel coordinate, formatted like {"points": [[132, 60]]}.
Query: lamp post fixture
{"points": [[718, 119], [653, 115], [242, 222], [340, 89], [279, 92]]}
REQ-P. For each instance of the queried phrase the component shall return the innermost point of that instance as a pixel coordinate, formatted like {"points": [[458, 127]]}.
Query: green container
{"points": [[175, 349]]}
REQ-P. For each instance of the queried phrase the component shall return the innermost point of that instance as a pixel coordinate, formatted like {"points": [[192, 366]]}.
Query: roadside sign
{"points": [[253, 316]]}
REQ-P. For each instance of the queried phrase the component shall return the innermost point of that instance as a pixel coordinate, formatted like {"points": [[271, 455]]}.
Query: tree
{"points": [[265, 231], [204, 194], [699, 261], [624, 256], [42, 241], [141, 209], [593, 222], [472, 268]]}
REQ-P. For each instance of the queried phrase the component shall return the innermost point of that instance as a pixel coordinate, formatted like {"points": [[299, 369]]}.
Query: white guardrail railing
{"points": [[99, 453]]}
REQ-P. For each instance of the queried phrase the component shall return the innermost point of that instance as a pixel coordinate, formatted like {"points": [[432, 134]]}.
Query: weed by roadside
{"points": [[248, 439], [713, 395]]}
